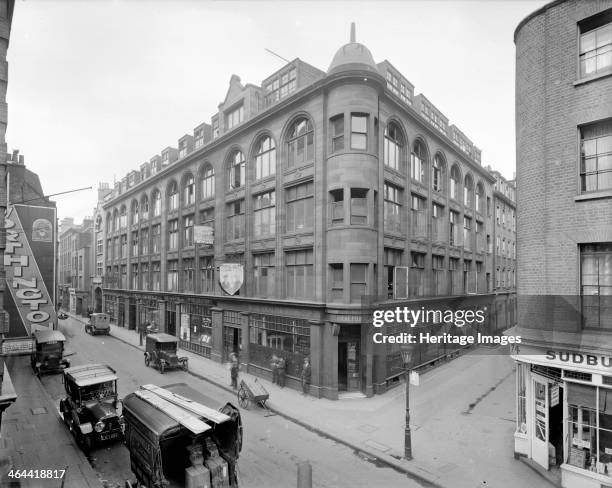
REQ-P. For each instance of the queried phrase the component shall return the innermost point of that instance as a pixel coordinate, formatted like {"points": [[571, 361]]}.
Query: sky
{"points": [[98, 87]]}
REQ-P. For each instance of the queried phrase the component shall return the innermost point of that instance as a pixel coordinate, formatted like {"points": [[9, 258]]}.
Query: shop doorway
{"points": [[232, 340], [132, 314], [98, 300], [171, 322], [349, 377], [547, 438]]}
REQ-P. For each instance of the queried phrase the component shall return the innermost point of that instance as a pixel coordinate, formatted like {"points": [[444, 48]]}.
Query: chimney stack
{"points": [[353, 32]]}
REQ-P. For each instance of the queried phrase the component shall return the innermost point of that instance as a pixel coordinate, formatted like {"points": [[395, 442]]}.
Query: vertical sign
{"points": [[29, 262]]}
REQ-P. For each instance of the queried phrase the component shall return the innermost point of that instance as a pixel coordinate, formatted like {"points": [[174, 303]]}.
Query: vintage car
{"points": [[160, 351], [98, 323], [90, 409], [62, 315], [48, 352], [175, 439]]}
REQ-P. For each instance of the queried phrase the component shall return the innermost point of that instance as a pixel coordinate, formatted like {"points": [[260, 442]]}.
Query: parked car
{"points": [[48, 352], [98, 323], [160, 351], [172, 431], [90, 409], [62, 315]]}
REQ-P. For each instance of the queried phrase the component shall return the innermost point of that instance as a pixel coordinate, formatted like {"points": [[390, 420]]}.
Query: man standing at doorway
{"points": [[234, 370]]}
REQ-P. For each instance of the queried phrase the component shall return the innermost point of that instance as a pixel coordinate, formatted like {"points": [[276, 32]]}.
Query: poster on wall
{"points": [[29, 261]]}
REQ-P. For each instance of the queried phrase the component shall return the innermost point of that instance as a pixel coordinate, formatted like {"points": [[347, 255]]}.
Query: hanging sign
{"points": [[203, 234], [554, 395]]}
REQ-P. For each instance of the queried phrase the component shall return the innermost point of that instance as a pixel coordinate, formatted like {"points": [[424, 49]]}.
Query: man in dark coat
{"points": [[281, 371], [306, 376], [234, 370], [274, 368]]}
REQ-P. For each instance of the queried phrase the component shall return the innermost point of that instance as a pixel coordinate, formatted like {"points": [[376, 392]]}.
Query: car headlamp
{"points": [[99, 427]]}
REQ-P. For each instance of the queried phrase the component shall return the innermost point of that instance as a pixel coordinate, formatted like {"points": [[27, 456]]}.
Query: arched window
{"points": [[480, 198], [236, 170], [173, 196], [156, 199], [437, 173], [123, 217], [455, 182], [468, 191], [394, 147], [98, 224], [418, 162], [265, 158], [144, 207], [300, 143], [208, 182], [134, 212], [109, 223], [189, 191], [115, 220]]}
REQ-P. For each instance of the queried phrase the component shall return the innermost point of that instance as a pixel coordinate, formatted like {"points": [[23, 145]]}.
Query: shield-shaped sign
{"points": [[231, 277]]}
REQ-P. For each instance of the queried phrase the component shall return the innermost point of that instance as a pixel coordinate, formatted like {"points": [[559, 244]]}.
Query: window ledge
{"points": [[596, 76], [593, 195]]}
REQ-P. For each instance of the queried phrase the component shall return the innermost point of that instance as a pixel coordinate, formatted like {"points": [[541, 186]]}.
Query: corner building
{"points": [[564, 283], [319, 184]]}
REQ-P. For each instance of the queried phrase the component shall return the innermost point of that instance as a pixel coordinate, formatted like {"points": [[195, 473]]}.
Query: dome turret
{"points": [[352, 56]]}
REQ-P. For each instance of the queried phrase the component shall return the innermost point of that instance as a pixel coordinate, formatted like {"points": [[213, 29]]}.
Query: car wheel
{"points": [[147, 361]]}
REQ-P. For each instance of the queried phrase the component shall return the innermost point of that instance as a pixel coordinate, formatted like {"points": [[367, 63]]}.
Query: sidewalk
{"points": [[462, 419], [34, 437]]}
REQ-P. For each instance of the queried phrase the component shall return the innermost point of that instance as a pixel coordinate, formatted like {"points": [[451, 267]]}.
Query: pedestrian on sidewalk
{"points": [[274, 368], [306, 377], [281, 365], [234, 370]]}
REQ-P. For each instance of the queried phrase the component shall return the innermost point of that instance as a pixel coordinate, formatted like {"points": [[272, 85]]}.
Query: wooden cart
{"points": [[253, 392]]}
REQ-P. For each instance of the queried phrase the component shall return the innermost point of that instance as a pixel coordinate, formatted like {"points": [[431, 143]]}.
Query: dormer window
{"points": [[199, 137], [234, 117], [182, 149], [164, 158], [280, 87], [215, 129]]}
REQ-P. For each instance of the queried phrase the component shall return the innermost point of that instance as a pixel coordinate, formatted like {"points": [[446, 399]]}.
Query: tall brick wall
{"points": [[551, 103]]}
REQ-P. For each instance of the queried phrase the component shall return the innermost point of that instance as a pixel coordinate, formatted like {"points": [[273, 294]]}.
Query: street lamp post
{"points": [[407, 357]]}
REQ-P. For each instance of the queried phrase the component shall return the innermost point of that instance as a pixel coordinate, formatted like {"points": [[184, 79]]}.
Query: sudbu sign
{"points": [[29, 235]]}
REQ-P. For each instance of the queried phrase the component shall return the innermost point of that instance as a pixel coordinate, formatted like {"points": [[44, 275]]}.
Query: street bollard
{"points": [[304, 475]]}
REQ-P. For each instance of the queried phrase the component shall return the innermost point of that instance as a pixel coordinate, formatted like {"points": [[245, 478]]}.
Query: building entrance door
{"points": [[539, 439], [171, 322], [349, 377], [232, 339]]}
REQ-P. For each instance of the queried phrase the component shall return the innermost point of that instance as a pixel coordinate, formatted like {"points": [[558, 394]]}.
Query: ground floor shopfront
{"points": [[338, 341], [564, 413]]}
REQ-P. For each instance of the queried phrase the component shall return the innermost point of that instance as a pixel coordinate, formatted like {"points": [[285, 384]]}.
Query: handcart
{"points": [[253, 392]]}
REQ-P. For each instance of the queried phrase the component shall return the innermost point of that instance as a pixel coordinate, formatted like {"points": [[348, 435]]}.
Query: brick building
{"points": [[311, 191], [75, 273], [564, 282]]}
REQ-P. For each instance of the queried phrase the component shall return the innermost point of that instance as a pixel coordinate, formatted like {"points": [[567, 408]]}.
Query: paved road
{"points": [[272, 445]]}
